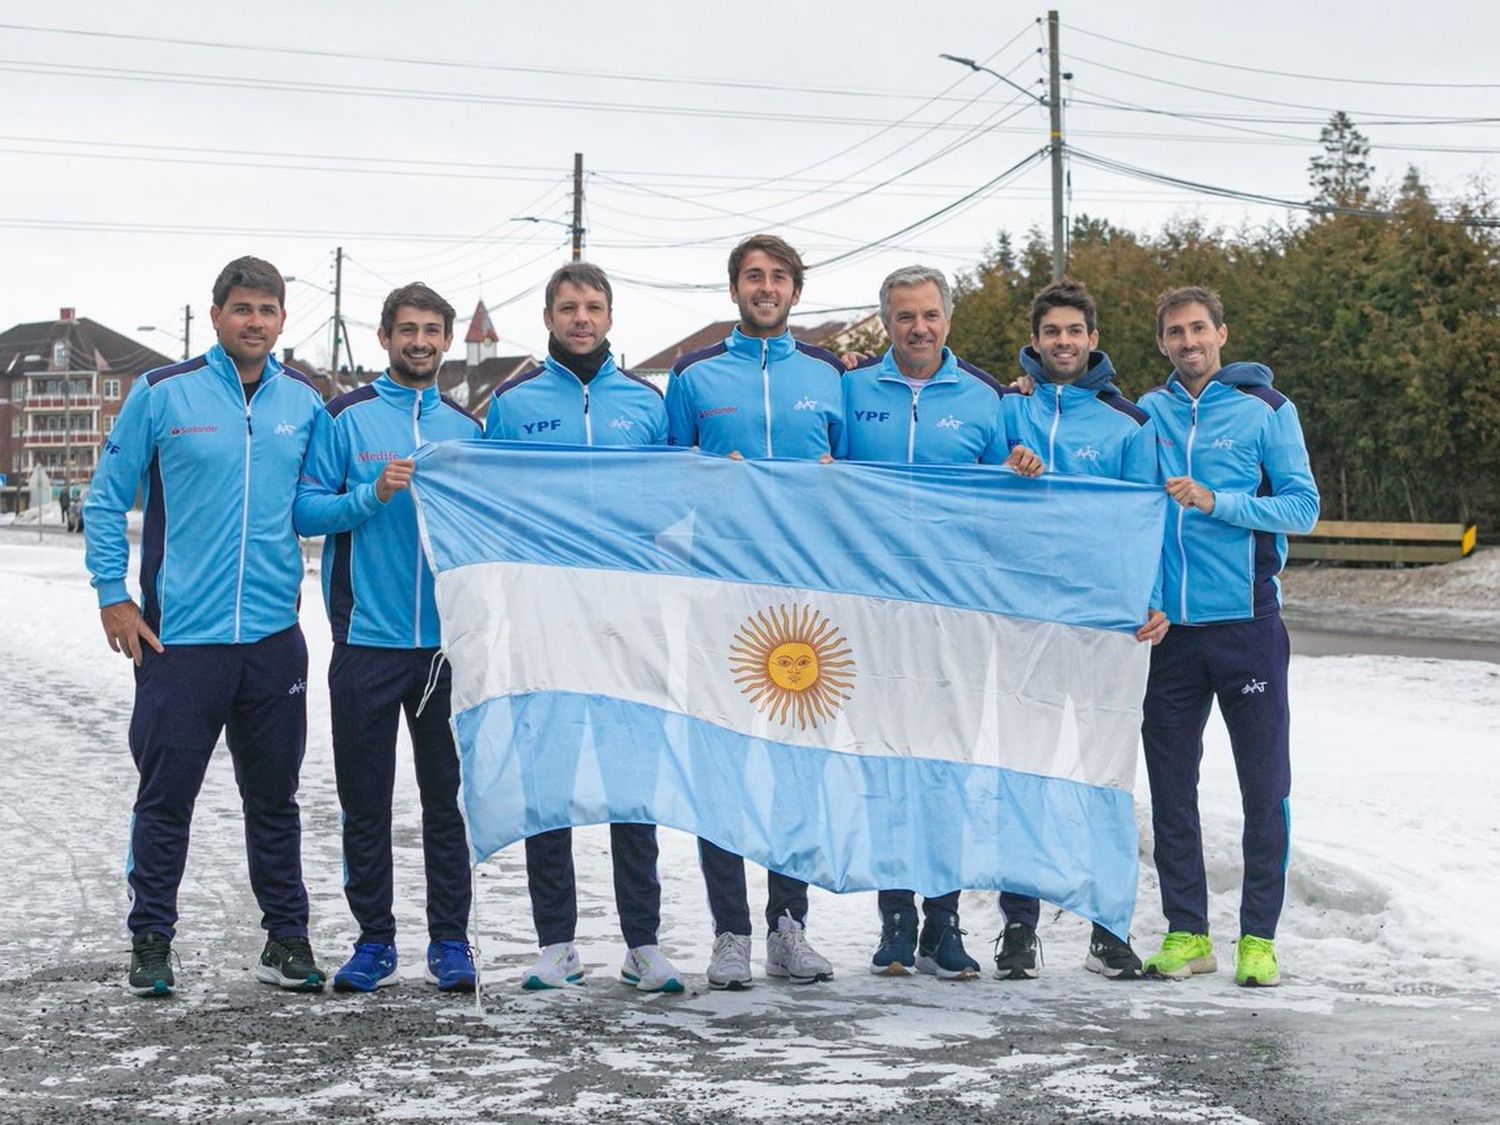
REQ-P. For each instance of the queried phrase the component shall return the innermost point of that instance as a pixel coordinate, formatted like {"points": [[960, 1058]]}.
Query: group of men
{"points": [[238, 456]]}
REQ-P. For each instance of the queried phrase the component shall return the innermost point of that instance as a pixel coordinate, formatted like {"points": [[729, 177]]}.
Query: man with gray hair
{"points": [[921, 404]]}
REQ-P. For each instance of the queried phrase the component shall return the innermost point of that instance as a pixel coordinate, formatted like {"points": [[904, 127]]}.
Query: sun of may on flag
{"points": [[864, 676]]}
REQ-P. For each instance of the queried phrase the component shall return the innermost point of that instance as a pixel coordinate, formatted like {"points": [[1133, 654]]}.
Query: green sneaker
{"points": [[1255, 963], [1182, 955]]}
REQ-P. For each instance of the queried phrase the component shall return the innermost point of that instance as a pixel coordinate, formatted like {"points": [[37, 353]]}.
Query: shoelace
{"points": [[1003, 946], [157, 955]]}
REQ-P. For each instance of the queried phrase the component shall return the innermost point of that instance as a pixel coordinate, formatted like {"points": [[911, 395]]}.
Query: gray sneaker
{"points": [[729, 965], [789, 955]]}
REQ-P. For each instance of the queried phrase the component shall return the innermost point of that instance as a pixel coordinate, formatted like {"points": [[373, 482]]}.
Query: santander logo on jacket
{"points": [[1242, 439], [219, 561], [549, 403], [760, 398], [377, 586], [1087, 427], [951, 418]]}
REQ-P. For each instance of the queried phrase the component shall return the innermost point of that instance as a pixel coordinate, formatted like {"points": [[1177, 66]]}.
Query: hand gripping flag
{"points": [[864, 676]]}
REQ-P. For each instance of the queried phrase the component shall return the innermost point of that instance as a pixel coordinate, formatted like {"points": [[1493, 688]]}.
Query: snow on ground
{"points": [[1390, 915]]}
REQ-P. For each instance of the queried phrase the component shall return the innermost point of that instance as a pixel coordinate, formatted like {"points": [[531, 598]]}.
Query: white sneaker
{"points": [[647, 968], [789, 955], [557, 966], [729, 966]]}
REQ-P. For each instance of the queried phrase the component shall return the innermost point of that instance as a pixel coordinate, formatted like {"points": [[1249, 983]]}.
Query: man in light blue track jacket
{"points": [[1080, 423], [760, 393], [579, 395], [921, 404], [1234, 459], [378, 589], [215, 444]]}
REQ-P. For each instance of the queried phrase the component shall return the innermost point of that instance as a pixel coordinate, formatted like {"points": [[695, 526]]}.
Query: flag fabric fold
{"points": [[864, 676]]}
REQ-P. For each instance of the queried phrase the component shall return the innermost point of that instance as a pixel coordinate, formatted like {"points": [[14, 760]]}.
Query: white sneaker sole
{"points": [[266, 974], [1094, 965], [933, 969], [340, 985], [671, 984], [783, 973], [535, 983]]}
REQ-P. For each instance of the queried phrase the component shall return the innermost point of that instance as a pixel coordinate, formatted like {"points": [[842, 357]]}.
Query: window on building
{"points": [[111, 390], [15, 426], [60, 355], [109, 422]]}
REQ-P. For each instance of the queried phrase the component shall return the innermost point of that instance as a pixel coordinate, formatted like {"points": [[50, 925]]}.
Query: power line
{"points": [[1287, 73], [1310, 206], [281, 50], [303, 86]]}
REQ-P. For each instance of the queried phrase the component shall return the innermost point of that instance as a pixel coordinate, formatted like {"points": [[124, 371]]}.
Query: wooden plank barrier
{"points": [[1383, 542]]}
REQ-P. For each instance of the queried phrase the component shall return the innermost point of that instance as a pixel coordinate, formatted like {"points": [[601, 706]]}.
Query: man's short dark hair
{"points": [[1064, 293], [583, 274], [249, 273], [777, 248], [417, 295], [1189, 295]]}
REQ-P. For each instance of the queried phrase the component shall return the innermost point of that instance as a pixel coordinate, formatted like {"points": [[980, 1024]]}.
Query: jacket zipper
{"points": [[765, 389], [588, 422], [911, 428], [1056, 418], [239, 585], [1182, 515], [416, 621]]}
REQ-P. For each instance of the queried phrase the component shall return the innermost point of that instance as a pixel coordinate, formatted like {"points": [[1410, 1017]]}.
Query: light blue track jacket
{"points": [[551, 404], [219, 561], [1087, 428], [1242, 439], [760, 398], [377, 586], [954, 417]]}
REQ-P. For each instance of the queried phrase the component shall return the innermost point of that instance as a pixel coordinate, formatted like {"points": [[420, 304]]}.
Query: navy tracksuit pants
{"points": [[728, 902], [368, 690], [185, 698], [892, 901], [554, 890], [1244, 665]]}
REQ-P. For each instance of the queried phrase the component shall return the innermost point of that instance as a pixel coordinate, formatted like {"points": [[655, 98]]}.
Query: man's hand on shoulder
{"points": [[126, 630], [1190, 494], [851, 360], [1024, 384], [394, 478]]}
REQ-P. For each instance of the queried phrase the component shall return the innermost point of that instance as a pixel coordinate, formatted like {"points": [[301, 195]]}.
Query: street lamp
{"points": [[186, 339]]}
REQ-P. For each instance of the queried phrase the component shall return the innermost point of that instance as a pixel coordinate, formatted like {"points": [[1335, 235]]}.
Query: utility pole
{"points": [[577, 206], [1054, 103], [187, 331], [338, 317]]}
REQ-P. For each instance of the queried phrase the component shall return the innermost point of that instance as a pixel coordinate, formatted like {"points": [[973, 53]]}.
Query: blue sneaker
{"points": [[941, 950], [372, 966], [897, 955], [450, 966]]}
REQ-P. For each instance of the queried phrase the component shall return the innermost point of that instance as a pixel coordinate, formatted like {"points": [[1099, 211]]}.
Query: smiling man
{"points": [[1236, 464], [581, 396], [919, 403], [216, 445], [760, 393], [1081, 423], [377, 587]]}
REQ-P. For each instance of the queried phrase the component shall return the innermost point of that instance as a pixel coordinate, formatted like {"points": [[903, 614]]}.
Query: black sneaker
{"points": [[1018, 953], [288, 963], [151, 965], [1111, 957]]}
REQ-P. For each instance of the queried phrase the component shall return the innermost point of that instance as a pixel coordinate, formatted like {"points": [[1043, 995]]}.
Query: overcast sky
{"points": [[141, 155]]}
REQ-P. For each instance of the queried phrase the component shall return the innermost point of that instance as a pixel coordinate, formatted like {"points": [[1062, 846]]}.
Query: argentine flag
{"points": [[863, 676]]}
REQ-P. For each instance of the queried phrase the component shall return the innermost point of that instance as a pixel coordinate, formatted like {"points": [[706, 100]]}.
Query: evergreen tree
{"points": [[1340, 175]]}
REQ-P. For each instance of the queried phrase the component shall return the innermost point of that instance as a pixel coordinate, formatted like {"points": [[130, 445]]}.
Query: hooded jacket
{"points": [[951, 418], [1242, 439], [220, 563], [1086, 428], [377, 586], [760, 398]]}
